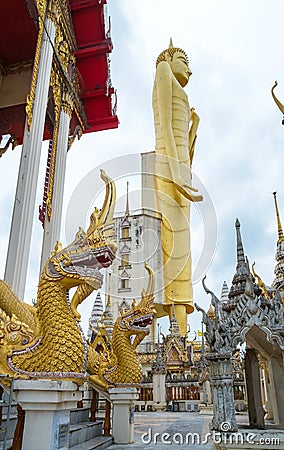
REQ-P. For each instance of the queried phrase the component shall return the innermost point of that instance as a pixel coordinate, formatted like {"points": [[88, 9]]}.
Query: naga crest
{"points": [[90, 251], [80, 262], [138, 319]]}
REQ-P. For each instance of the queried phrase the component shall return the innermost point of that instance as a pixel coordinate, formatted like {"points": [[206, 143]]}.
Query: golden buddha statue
{"points": [[175, 129]]}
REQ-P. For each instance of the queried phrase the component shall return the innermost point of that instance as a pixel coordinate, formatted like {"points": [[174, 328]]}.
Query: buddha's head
{"points": [[178, 60]]}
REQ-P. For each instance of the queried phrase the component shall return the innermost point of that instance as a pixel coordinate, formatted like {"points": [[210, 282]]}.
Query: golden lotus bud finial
{"points": [[58, 247], [169, 52]]}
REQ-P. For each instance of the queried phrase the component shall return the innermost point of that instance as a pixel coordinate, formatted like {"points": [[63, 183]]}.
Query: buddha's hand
{"points": [[186, 190], [194, 116]]}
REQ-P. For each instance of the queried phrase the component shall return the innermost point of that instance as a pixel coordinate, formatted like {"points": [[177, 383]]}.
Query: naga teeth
{"points": [[94, 273]]}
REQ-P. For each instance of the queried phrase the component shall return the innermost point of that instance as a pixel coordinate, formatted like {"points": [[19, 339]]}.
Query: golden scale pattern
{"points": [[128, 369], [62, 348]]}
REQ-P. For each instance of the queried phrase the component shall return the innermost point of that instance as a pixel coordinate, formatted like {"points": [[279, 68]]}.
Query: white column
{"points": [[24, 205], [207, 390], [159, 391], [269, 408], [276, 377], [52, 226], [47, 406], [123, 414]]}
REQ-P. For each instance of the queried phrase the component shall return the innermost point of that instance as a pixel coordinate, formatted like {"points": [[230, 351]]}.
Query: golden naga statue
{"points": [[46, 340], [121, 365], [175, 128]]}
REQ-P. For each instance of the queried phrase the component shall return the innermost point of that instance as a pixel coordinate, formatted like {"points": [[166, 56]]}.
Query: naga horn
{"points": [[104, 217]]}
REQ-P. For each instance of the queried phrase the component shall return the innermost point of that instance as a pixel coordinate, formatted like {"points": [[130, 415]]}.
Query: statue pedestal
{"points": [[123, 414], [47, 405]]}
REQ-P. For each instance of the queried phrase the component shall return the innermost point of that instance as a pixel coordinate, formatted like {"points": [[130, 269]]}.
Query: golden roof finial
{"points": [[57, 248], [171, 43], [280, 231], [108, 294], [174, 328], [173, 306], [260, 282], [211, 312], [127, 200]]}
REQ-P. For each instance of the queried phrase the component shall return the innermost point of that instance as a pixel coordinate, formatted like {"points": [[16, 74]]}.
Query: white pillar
{"points": [[24, 205], [52, 226], [159, 391], [276, 377], [207, 391], [123, 414], [269, 408], [47, 406]]}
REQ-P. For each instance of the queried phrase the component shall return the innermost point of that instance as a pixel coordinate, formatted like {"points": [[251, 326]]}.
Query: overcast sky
{"points": [[235, 50]]}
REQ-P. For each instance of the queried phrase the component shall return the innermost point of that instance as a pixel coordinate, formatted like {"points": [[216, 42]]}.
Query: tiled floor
{"points": [[155, 431]]}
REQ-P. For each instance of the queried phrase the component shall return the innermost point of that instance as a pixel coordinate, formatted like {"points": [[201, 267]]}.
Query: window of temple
{"points": [[239, 392], [192, 393], [148, 347], [124, 283], [125, 233], [146, 394], [125, 259]]}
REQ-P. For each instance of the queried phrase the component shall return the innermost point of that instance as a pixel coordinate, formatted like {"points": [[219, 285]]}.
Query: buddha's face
{"points": [[180, 68]]}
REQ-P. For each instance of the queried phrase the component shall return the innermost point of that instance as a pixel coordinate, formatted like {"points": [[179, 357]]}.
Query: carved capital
{"points": [[41, 7], [67, 104], [78, 132]]}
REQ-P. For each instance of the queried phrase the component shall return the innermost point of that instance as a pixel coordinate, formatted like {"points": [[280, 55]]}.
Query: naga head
{"points": [[14, 335], [139, 318], [80, 262]]}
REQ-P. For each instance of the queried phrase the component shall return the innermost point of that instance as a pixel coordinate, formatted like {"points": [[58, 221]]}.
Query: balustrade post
{"points": [[94, 406], [19, 431], [107, 423]]}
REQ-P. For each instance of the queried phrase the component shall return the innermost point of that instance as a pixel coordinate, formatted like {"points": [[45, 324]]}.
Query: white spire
{"points": [[107, 317], [96, 315], [224, 292]]}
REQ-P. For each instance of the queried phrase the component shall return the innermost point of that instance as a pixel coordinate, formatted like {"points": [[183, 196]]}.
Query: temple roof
{"points": [[18, 31], [18, 38]]}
